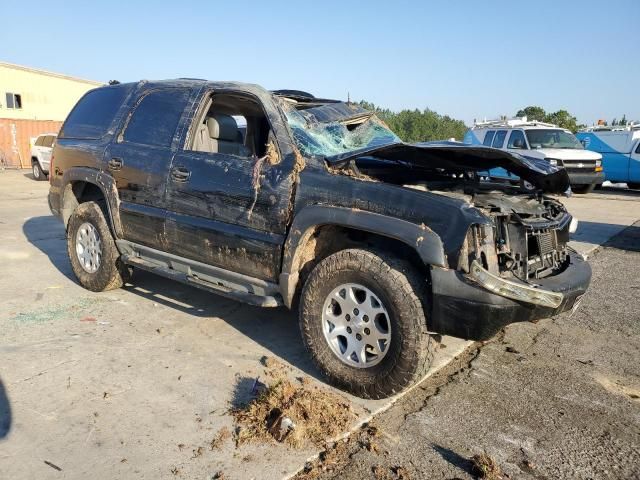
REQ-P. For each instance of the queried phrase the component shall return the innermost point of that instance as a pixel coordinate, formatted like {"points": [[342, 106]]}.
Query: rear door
{"points": [[139, 161], [497, 141], [37, 146]]}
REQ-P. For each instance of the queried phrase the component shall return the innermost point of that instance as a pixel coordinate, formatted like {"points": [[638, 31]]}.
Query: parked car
{"points": [[543, 141], [620, 150], [41, 155], [281, 198]]}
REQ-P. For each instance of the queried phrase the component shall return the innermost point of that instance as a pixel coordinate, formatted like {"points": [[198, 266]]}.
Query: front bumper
{"points": [[585, 178], [464, 309]]}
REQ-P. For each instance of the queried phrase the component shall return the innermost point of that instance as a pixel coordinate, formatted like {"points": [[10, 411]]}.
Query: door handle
{"points": [[180, 174], [115, 164]]}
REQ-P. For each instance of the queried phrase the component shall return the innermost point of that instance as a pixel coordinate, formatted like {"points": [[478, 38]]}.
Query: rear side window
{"points": [[39, 141], [488, 138], [48, 141], [498, 141], [155, 119], [93, 114]]}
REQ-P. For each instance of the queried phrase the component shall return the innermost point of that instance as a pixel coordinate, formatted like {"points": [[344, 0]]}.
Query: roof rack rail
{"points": [[630, 127], [511, 122]]}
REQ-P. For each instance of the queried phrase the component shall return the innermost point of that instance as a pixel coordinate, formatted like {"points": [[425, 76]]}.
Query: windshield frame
{"points": [[575, 143]]}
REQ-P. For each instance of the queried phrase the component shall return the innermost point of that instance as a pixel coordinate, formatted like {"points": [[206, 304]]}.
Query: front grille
{"points": [[579, 164]]}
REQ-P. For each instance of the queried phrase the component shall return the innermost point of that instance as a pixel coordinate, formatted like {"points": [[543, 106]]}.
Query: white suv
{"points": [[41, 155], [543, 141]]}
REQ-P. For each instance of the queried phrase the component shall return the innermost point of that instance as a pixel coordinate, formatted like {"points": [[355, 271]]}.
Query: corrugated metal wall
{"points": [[15, 135]]}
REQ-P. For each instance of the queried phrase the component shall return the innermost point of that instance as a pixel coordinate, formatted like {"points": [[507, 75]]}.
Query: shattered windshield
{"points": [[328, 138]]}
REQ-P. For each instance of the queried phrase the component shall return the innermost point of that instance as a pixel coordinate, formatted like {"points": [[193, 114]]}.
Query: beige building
{"points": [[33, 102]]}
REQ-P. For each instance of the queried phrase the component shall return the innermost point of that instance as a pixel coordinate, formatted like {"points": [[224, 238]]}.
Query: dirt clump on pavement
{"points": [[290, 411], [486, 467], [222, 435]]}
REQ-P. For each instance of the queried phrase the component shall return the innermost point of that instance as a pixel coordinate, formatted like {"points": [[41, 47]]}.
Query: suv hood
{"points": [[454, 158], [564, 154]]}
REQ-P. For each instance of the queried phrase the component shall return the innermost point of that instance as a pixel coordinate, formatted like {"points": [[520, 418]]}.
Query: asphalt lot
{"points": [[553, 400], [130, 383]]}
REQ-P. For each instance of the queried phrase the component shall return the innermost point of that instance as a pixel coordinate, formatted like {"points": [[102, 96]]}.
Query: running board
{"points": [[206, 277]]}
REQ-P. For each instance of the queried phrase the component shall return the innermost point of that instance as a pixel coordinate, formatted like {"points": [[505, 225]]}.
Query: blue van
{"points": [[620, 150]]}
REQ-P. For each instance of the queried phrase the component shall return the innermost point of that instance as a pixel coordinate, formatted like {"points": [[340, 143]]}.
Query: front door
{"points": [[228, 199], [139, 162], [634, 164]]}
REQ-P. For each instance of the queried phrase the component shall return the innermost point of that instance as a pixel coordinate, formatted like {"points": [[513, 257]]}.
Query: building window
{"points": [[13, 100]]}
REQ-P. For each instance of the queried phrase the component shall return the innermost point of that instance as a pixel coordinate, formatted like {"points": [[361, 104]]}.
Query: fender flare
{"points": [[104, 182], [420, 238]]}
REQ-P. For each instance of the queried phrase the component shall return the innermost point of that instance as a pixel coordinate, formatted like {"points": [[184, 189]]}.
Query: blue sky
{"points": [[467, 59]]}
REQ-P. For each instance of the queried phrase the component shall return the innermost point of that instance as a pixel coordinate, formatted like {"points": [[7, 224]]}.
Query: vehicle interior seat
{"points": [[220, 134]]}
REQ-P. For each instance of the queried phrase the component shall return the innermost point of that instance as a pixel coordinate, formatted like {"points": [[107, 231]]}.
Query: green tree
{"points": [[563, 119], [419, 125], [533, 113]]}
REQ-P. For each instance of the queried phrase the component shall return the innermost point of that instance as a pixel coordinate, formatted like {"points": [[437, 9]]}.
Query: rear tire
{"points": [[36, 170], [384, 281], [582, 189], [92, 251], [633, 185]]}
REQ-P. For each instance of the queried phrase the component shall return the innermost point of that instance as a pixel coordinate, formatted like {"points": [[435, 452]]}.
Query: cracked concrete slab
{"points": [[556, 399], [135, 382]]}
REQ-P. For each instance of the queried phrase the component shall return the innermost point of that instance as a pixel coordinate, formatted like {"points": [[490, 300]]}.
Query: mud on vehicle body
{"points": [[280, 198]]}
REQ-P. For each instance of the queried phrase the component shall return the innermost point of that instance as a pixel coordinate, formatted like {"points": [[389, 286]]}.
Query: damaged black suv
{"points": [[281, 198]]}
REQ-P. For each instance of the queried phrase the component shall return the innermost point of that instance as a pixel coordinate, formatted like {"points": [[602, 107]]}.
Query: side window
{"points": [[48, 141], [155, 119], [638, 149], [94, 113], [39, 141], [233, 125], [498, 141], [516, 140], [488, 138]]}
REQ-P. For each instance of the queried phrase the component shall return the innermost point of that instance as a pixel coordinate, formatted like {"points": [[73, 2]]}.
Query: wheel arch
{"points": [[83, 184], [318, 231]]}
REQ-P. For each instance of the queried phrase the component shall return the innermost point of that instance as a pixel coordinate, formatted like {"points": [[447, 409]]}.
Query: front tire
{"points": [[92, 251], [363, 322]]}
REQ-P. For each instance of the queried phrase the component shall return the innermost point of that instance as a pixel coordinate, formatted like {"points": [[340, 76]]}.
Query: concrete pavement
{"points": [[130, 383]]}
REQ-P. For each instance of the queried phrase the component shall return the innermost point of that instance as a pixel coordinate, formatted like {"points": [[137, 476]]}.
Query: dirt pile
{"points": [[294, 412], [486, 467]]}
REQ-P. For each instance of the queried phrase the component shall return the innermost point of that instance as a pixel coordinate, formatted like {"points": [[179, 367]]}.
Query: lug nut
{"points": [[348, 329], [358, 336], [365, 318], [367, 331], [347, 317], [355, 311]]}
